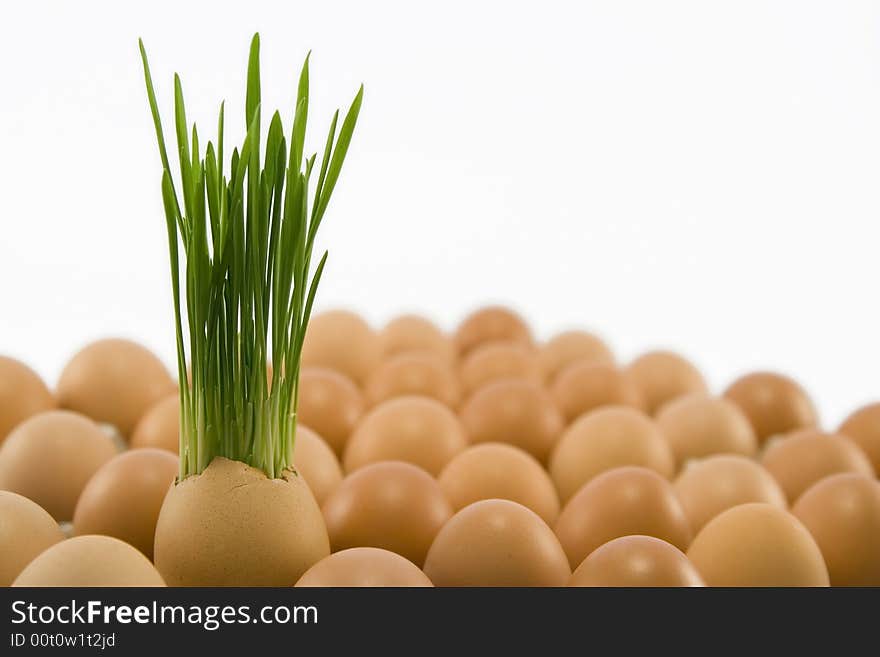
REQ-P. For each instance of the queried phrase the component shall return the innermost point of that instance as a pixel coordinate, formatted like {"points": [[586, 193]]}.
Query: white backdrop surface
{"points": [[695, 175]]}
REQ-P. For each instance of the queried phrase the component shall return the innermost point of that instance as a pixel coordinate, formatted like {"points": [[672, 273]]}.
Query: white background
{"points": [[697, 175]]}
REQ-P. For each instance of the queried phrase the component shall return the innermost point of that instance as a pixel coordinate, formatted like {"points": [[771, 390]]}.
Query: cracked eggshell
{"points": [[233, 526]]}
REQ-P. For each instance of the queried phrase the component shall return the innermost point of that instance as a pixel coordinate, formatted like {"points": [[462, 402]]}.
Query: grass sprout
{"points": [[244, 288]]}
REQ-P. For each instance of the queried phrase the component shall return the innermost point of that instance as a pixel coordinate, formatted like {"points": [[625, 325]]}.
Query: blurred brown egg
{"points": [[499, 471], [604, 439], [709, 486], [621, 502], [22, 394], [636, 561], [391, 505], [585, 386], [49, 458], [414, 429], [316, 462], [496, 543], [757, 545], [25, 531], [411, 333], [414, 373], [800, 459], [330, 404], [160, 426], [491, 324], [698, 425], [842, 512], [340, 340], [662, 376], [123, 498], [114, 381], [569, 347], [774, 404], [364, 567], [863, 427], [90, 561], [493, 361], [520, 413]]}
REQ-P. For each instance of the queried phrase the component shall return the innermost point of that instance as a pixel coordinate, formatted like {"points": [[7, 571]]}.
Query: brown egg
{"points": [[160, 426], [22, 394], [662, 376], [411, 333], [774, 403], [585, 386], [364, 567], [491, 324], [842, 512], [414, 429], [516, 412], [757, 545], [698, 425], [49, 458], [114, 381], [499, 471], [712, 485], [863, 427], [391, 505], [90, 561], [232, 525], [620, 502], [605, 439], [636, 561], [330, 404], [316, 462], [498, 360], [25, 531], [414, 373], [569, 347], [800, 459], [123, 498], [342, 341], [496, 543]]}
